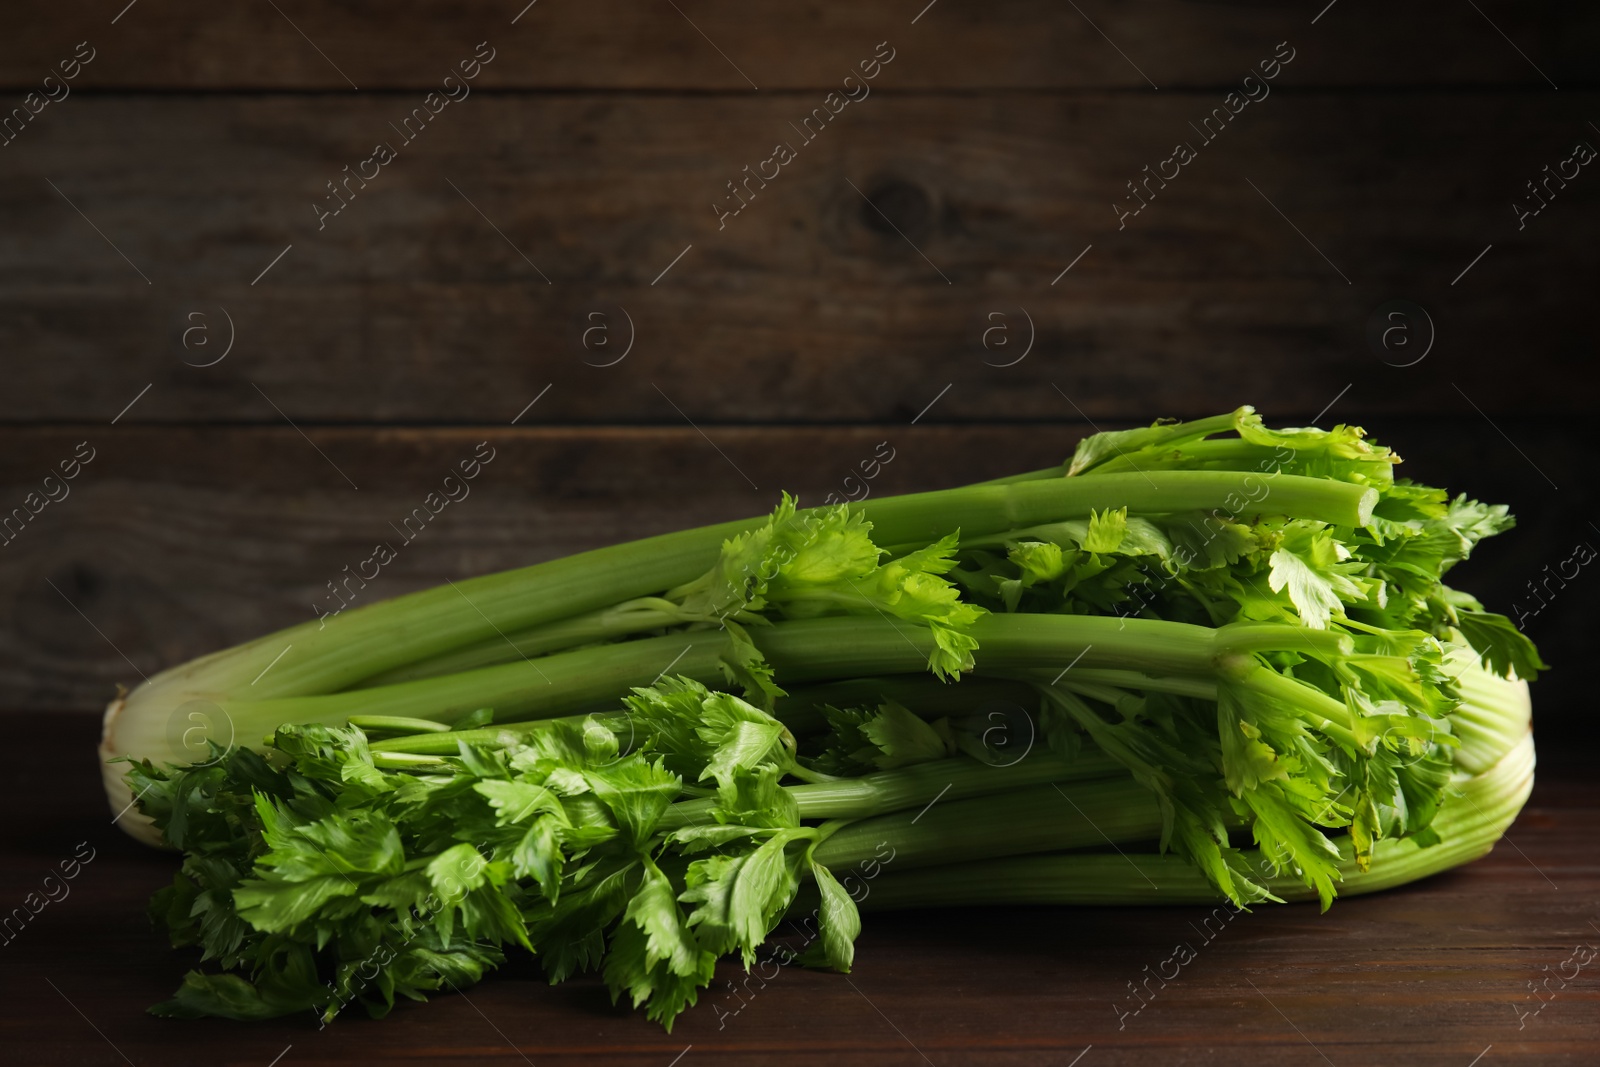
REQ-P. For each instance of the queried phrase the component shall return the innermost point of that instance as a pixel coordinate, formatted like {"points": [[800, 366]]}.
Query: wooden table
{"points": [[1434, 974]]}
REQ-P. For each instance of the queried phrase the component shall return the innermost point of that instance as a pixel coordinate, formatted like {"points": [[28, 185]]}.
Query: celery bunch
{"points": [[1224, 650]]}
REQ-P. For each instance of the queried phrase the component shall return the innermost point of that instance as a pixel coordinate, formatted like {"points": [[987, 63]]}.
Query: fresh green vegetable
{"points": [[1226, 650]]}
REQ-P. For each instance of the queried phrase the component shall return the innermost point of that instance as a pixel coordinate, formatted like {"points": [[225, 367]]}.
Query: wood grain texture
{"points": [[706, 44], [811, 305], [1429, 975]]}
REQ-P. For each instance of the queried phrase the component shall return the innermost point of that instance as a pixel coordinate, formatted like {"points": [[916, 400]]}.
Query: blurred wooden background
{"points": [[163, 209]]}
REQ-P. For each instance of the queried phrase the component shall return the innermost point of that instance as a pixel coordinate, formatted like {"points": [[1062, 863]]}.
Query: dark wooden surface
{"points": [[846, 305], [1431, 975], [808, 306], [613, 44]]}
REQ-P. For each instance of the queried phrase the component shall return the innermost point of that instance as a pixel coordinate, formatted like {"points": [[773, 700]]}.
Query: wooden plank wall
{"points": [[556, 232]]}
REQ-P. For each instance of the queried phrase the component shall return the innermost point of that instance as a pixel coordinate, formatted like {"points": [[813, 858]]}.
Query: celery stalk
{"points": [[259, 685]]}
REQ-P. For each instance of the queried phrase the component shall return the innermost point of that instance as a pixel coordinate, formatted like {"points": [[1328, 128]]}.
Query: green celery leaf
{"points": [[516, 802], [755, 798], [1106, 530], [1311, 564], [538, 854], [902, 738], [838, 918], [636, 792], [654, 910], [745, 666], [230, 996], [1503, 648], [457, 870], [701, 838], [1289, 842], [739, 898], [472, 720]]}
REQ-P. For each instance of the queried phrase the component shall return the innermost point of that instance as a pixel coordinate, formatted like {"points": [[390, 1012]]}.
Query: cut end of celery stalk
{"points": [[1364, 506], [133, 822]]}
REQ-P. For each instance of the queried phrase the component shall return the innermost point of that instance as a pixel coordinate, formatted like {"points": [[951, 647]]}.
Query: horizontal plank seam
{"points": [[405, 90], [1111, 421]]}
